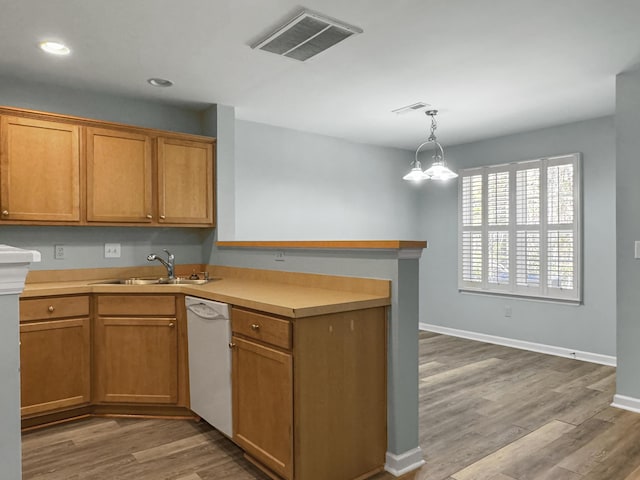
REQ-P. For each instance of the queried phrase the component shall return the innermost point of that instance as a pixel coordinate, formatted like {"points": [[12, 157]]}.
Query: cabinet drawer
{"points": [[271, 330], [133, 305], [54, 307]]}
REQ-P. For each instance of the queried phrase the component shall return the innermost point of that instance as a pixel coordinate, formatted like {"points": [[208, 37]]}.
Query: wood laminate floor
{"points": [[486, 413]]}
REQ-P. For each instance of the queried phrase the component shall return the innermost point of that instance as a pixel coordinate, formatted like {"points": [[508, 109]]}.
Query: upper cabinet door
{"points": [[185, 182], [119, 176], [39, 170]]}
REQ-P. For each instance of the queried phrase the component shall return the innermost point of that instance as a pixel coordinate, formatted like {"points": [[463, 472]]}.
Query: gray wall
{"points": [[100, 106], [590, 327], [85, 246], [628, 231], [292, 185], [226, 172]]}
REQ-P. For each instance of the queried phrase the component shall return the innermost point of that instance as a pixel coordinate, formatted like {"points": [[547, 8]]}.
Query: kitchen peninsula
{"points": [[322, 376]]}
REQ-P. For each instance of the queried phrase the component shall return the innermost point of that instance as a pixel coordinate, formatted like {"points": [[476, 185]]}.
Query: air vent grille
{"points": [[306, 35], [410, 108]]}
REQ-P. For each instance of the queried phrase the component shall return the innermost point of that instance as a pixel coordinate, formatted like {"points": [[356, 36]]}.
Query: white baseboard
{"points": [[523, 345], [626, 403], [405, 462]]}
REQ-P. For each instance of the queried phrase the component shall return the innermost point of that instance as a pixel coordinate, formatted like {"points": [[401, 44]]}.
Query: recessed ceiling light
{"points": [[55, 48], [160, 82]]}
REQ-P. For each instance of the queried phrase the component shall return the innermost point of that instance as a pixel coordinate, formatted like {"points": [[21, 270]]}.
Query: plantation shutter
{"points": [[519, 228], [471, 245]]}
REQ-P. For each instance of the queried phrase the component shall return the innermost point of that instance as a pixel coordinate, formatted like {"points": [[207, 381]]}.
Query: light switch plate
{"points": [[111, 250], [637, 249]]}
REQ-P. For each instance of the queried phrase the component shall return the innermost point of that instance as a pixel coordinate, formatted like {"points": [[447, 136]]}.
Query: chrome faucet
{"points": [[170, 264]]}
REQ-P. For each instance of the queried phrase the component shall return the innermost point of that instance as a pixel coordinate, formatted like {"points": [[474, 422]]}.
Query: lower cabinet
{"points": [[263, 404], [309, 394], [136, 349], [55, 354]]}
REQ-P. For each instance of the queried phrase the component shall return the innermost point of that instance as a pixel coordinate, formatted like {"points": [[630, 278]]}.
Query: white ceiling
{"points": [[491, 67]]}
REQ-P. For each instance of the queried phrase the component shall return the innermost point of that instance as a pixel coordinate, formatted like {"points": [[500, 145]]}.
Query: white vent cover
{"points": [[306, 35], [414, 107]]}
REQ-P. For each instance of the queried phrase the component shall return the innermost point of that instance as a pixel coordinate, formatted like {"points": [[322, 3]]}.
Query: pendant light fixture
{"points": [[438, 169]]}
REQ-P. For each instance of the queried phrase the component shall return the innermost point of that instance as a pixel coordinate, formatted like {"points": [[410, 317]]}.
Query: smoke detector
{"points": [[305, 35]]}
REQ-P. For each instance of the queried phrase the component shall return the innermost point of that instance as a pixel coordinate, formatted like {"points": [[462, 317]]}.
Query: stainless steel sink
{"points": [[154, 281], [140, 281], [182, 280]]}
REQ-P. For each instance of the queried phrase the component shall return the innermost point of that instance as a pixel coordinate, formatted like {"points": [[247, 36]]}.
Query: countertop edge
{"points": [[44, 290], [329, 244]]}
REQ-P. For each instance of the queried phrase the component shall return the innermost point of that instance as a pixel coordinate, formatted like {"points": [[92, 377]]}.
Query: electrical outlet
{"points": [[279, 257], [58, 252], [507, 311], [111, 250]]}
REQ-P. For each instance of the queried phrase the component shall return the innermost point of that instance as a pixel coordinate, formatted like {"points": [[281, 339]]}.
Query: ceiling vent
{"points": [[306, 35], [414, 107]]}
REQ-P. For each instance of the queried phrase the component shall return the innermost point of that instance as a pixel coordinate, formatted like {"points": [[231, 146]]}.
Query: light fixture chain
{"points": [[434, 125]]}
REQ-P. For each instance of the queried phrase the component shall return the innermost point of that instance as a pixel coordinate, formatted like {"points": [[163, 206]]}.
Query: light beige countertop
{"points": [[294, 295]]}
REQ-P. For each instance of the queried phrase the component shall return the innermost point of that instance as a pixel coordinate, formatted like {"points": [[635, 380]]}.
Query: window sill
{"points": [[519, 296]]}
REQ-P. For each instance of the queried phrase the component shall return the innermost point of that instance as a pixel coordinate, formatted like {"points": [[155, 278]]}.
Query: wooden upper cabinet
{"points": [[39, 170], [185, 182], [119, 176], [70, 170]]}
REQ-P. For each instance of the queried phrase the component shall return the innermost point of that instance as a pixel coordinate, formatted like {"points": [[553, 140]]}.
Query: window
{"points": [[520, 228]]}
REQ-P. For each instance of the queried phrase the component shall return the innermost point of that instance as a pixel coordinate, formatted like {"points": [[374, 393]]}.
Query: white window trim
{"points": [[542, 292]]}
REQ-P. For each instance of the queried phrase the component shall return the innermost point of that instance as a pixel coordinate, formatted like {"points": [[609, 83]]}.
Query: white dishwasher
{"points": [[209, 332]]}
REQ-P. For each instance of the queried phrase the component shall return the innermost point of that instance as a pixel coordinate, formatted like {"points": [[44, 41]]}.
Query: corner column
{"points": [[14, 265], [403, 449]]}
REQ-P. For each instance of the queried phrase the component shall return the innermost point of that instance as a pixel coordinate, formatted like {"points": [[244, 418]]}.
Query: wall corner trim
{"points": [[405, 462], [591, 357], [14, 265], [626, 403], [409, 253]]}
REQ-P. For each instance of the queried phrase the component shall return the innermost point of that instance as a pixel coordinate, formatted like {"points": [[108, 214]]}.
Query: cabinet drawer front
{"points": [[54, 307], [132, 305], [267, 329]]}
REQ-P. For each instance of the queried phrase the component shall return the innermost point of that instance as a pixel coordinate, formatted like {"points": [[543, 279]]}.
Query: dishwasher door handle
{"points": [[206, 312]]}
